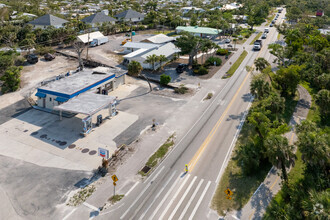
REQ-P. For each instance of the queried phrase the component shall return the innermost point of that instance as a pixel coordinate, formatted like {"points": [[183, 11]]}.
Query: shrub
{"points": [[196, 66], [43, 50], [209, 96], [181, 90], [210, 61], [202, 71], [240, 37], [165, 79], [234, 35], [222, 52]]}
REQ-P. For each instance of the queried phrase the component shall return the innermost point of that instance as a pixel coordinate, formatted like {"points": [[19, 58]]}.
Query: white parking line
{"points": [[158, 194], [145, 189], [90, 206], [199, 201], [165, 197], [191, 199], [132, 188], [70, 213], [175, 195], [182, 198]]}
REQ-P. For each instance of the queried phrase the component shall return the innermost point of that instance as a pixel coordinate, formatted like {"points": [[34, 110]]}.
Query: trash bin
{"points": [[99, 120]]}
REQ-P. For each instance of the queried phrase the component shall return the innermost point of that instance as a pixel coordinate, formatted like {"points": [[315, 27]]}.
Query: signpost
{"points": [[229, 193], [115, 179], [103, 153]]}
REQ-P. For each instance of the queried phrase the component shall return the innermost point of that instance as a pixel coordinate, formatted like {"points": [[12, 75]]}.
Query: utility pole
{"points": [[87, 45]]}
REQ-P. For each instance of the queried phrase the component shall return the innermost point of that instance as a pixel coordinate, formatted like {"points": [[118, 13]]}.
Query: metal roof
{"points": [[84, 37], [159, 39], [167, 50], [98, 17], [87, 103], [139, 45], [48, 20], [129, 14], [198, 30]]}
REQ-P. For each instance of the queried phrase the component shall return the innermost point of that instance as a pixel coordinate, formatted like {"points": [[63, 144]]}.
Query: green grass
{"points": [[314, 113], [115, 198], [238, 62], [256, 38], [159, 154], [269, 19], [278, 36]]}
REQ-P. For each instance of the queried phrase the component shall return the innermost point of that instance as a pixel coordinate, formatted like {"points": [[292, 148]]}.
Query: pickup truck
{"points": [[257, 45], [99, 41]]}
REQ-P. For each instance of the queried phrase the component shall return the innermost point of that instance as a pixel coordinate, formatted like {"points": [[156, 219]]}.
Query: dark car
{"points": [[32, 58], [271, 25], [49, 57], [181, 67]]}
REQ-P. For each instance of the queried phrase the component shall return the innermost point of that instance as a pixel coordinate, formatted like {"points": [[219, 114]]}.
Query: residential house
{"points": [[48, 20], [98, 18], [130, 16]]}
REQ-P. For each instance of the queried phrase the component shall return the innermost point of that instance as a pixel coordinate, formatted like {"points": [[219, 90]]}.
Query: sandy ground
{"points": [[32, 75]]}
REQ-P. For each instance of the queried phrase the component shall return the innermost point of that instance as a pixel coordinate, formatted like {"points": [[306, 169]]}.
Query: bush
{"points": [[43, 50], [196, 66], [222, 52], [202, 71], [181, 90], [210, 61], [165, 79]]}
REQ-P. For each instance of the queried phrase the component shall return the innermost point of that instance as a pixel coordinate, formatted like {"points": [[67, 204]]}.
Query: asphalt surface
{"points": [[169, 193]]}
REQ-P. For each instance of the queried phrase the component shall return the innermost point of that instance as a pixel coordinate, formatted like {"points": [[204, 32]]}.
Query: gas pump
{"points": [[87, 123]]}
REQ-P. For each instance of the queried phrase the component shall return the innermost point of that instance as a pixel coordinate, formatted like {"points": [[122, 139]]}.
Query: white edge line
{"points": [[131, 189], [234, 140], [70, 213], [234, 216], [145, 212], [174, 197], [191, 199], [258, 189], [199, 201], [91, 206], [182, 198], [145, 189]]}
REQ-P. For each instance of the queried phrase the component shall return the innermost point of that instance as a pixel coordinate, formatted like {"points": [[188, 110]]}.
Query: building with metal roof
{"points": [[48, 20], [130, 15], [98, 18], [198, 31], [159, 39], [87, 38]]}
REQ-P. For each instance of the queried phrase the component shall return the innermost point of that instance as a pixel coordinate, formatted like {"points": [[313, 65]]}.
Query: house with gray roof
{"points": [[48, 20], [98, 18], [130, 16]]}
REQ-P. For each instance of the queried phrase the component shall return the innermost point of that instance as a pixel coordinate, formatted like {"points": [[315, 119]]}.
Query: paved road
{"points": [[169, 193]]}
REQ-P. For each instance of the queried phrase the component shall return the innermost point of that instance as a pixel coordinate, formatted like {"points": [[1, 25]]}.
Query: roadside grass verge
{"points": [[269, 19], [159, 154], [115, 198], [243, 186], [278, 36], [81, 196], [313, 113], [256, 38], [234, 67]]}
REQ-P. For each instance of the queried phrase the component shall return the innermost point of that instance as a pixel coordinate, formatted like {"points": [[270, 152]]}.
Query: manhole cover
{"points": [[145, 169], [72, 146], [85, 150], [92, 152]]}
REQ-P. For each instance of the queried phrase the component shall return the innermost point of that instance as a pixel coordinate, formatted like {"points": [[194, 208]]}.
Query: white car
{"points": [[227, 41], [266, 30]]}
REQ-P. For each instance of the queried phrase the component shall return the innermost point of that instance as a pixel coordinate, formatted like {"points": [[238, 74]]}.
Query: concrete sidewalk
{"points": [[256, 207]]}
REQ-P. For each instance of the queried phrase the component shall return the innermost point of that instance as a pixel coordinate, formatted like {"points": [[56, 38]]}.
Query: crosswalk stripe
{"points": [[175, 195], [169, 179], [190, 200], [165, 197], [182, 198], [200, 200]]}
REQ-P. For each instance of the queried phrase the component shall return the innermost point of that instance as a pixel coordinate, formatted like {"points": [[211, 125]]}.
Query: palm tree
{"points": [[152, 59], [134, 68], [261, 63], [259, 87], [280, 153], [162, 59]]}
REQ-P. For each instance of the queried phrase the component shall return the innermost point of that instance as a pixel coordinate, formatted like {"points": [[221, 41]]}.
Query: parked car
{"points": [[227, 41], [49, 57], [32, 58], [181, 67]]}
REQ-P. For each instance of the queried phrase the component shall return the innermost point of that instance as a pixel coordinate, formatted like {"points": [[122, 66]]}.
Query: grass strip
{"points": [[115, 198], [234, 67], [256, 38]]}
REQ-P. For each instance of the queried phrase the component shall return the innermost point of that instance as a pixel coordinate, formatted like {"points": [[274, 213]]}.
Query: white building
{"points": [[87, 38]]}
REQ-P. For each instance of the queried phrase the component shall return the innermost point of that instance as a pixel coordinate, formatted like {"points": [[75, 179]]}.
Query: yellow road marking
{"points": [[198, 154], [274, 183]]}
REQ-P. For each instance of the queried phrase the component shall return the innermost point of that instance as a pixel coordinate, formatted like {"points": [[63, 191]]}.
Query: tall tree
{"points": [[288, 79], [11, 79], [134, 68], [259, 87], [152, 59], [280, 153], [261, 63], [323, 101], [79, 48], [162, 59]]}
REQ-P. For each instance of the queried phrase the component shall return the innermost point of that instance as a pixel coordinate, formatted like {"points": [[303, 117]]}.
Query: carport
{"points": [[88, 104]]}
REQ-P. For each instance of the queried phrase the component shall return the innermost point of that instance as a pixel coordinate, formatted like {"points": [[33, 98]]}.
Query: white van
{"points": [[266, 30]]}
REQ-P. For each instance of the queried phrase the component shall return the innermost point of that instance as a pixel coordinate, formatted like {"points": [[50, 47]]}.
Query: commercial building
{"points": [[87, 38], [198, 31], [100, 80]]}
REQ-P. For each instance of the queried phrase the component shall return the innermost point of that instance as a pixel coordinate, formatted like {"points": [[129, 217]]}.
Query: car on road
{"points": [[32, 58], [271, 25], [264, 36], [49, 57], [266, 30], [229, 45], [181, 67], [227, 41]]}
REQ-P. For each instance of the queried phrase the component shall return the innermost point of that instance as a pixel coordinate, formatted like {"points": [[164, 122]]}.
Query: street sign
{"points": [[228, 192], [114, 178], [228, 197], [103, 153], [114, 183]]}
